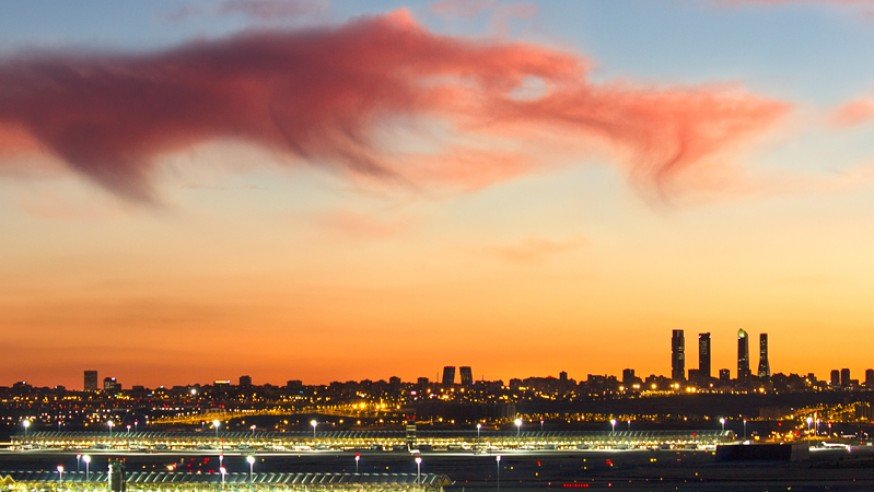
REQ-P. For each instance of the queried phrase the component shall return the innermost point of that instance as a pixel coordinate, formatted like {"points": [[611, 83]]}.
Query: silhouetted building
{"points": [[448, 375], [764, 365], [628, 377], [562, 377], [834, 379], [678, 356], [110, 384], [704, 372], [743, 355], [90, 381], [845, 378], [422, 381], [245, 381], [869, 378], [466, 375], [724, 375]]}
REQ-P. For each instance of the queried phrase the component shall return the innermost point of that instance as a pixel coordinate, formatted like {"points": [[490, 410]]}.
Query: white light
{"points": [[216, 424], [250, 460], [418, 460], [498, 458], [313, 423], [518, 422], [86, 458], [26, 423], [60, 468], [721, 420]]}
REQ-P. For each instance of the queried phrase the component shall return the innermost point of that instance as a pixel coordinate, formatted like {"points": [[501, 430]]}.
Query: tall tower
{"points": [[466, 375], [764, 366], [704, 371], [90, 380], [678, 356], [448, 375], [743, 356]]}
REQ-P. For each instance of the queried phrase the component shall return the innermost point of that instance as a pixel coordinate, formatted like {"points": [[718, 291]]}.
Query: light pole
{"points": [[314, 424], [745, 429], [722, 421], [613, 426], [216, 424], [498, 461], [629, 424], [541, 425], [809, 421], [223, 471], [78, 463], [221, 460], [60, 473], [478, 429], [110, 424], [252, 428], [418, 470], [26, 425], [136, 425], [251, 460], [87, 460], [357, 459], [518, 424], [128, 429]]}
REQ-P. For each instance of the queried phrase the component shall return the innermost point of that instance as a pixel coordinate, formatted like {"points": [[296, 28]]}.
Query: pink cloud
{"points": [[333, 97], [362, 226], [854, 113]]}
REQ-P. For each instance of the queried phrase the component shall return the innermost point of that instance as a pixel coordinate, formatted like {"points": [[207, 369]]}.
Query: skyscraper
{"points": [[704, 372], [245, 381], [834, 379], [466, 375], [869, 378], [845, 378], [678, 356], [90, 380], [743, 355], [448, 375], [764, 365]]}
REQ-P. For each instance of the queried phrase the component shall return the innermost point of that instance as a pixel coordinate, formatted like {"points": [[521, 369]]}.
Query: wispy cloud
{"points": [[258, 10], [535, 249], [333, 96]]}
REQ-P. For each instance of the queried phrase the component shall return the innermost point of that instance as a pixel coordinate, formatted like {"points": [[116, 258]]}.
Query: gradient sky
{"points": [[312, 190]]}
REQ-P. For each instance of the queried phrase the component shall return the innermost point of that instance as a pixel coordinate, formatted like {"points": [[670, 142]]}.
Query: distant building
{"points": [[448, 375], [245, 381], [743, 356], [834, 379], [422, 381], [294, 385], [764, 365], [562, 376], [628, 377], [394, 381], [678, 356], [90, 380], [869, 378], [704, 372], [845, 378], [466, 375], [724, 375], [111, 384]]}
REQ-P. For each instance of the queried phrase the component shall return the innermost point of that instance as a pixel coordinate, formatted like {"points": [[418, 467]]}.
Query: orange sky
{"points": [[382, 196]]}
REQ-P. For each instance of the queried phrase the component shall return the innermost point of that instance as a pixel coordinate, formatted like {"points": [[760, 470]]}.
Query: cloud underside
{"points": [[479, 112]]}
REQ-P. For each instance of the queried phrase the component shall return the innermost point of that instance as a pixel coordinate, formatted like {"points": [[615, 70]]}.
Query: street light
{"points": [[357, 459], [722, 421], [518, 424], [216, 424], [110, 424], [136, 425], [541, 425], [78, 463], [60, 473], [613, 425], [629, 424], [223, 471], [745, 429], [26, 425], [314, 424], [87, 460], [418, 470], [252, 428], [251, 460], [128, 429], [478, 429], [498, 461]]}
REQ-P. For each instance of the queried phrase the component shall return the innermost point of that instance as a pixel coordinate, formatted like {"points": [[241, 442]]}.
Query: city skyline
{"points": [[325, 191]]}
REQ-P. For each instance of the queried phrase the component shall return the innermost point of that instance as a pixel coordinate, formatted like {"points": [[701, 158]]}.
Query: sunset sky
{"points": [[318, 190]]}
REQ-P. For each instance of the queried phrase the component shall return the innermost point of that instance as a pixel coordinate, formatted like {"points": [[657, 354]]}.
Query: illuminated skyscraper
{"points": [[743, 356], [466, 375], [704, 372], [448, 375], [764, 366], [90, 380], [678, 356]]}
